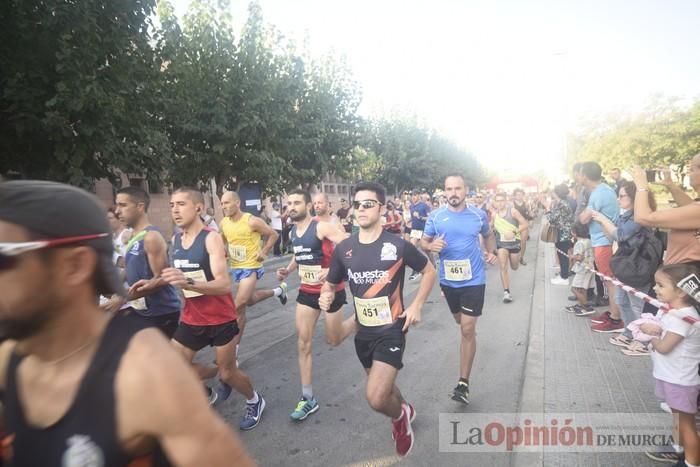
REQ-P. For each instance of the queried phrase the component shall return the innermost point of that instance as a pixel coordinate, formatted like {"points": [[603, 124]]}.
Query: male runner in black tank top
{"points": [[374, 262], [77, 383], [310, 241]]}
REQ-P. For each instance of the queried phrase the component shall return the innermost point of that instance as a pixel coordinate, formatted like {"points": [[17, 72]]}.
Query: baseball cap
{"points": [[25, 202]]}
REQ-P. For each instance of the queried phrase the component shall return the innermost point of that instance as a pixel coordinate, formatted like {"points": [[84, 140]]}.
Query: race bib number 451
{"points": [[458, 270], [373, 311]]}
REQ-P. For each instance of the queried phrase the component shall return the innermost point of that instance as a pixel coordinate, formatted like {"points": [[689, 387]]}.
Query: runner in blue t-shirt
{"points": [[453, 232], [419, 215]]}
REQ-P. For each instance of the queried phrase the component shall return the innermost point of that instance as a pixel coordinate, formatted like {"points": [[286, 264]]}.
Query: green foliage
{"points": [[79, 90], [663, 134]]}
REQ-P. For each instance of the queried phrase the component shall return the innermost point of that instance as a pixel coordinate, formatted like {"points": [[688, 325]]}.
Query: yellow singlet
{"points": [[243, 242]]}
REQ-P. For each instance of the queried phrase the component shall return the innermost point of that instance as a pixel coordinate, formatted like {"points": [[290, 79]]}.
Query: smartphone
{"points": [[651, 176]]}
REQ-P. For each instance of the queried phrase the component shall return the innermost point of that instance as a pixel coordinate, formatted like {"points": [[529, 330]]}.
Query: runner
{"points": [[81, 386], [521, 205], [453, 232], [153, 303], [322, 208], [374, 263], [312, 243], [419, 214], [344, 215], [209, 315], [393, 219], [508, 225], [242, 233]]}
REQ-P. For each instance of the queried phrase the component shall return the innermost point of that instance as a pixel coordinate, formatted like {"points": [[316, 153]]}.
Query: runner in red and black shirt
{"points": [[374, 262]]}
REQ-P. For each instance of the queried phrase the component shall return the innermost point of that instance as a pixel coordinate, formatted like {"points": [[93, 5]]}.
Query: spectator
{"points": [[209, 221], [627, 231], [684, 221], [276, 224], [617, 179], [604, 201], [561, 217], [344, 215]]}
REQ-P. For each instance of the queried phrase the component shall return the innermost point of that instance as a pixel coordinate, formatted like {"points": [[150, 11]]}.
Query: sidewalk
{"points": [[571, 369]]}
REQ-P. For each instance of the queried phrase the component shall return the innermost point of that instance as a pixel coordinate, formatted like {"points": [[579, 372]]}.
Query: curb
{"points": [[532, 389]]}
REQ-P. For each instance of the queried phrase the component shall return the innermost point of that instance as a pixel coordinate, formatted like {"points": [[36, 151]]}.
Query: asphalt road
{"points": [[345, 431]]}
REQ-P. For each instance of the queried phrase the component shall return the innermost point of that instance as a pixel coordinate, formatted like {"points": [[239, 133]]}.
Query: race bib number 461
{"points": [[373, 311], [458, 270]]}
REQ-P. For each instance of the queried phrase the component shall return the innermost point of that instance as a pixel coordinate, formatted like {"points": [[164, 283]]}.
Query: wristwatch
{"points": [[190, 281]]}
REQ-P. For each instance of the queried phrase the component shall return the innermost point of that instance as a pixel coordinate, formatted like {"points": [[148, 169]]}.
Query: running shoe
{"points": [[584, 311], [211, 395], [461, 393], [507, 297], [559, 281], [620, 340], [669, 457], [412, 411], [572, 308], [413, 276], [304, 408], [664, 406], [600, 318], [283, 295], [222, 391], [522, 261], [253, 414], [402, 433], [609, 326]]}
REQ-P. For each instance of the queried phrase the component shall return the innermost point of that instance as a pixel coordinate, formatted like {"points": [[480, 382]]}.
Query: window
{"points": [[330, 189]]}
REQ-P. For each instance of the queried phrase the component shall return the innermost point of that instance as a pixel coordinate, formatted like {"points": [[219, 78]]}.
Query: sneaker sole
{"points": [[585, 313], [458, 398], [634, 353], [661, 459], [306, 414], [262, 409], [608, 330]]}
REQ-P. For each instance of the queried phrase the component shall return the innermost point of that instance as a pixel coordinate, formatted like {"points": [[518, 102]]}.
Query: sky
{"points": [[505, 79]]}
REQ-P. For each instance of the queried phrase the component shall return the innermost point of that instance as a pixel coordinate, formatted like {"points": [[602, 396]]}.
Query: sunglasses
{"points": [[9, 252], [366, 204]]}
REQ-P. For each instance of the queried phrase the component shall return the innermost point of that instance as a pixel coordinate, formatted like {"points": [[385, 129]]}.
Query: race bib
{"points": [[197, 276], [457, 270], [373, 311], [138, 304], [418, 234], [310, 275], [237, 252]]}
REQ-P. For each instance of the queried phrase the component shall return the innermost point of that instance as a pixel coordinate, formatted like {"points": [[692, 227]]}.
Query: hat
{"points": [[25, 202]]}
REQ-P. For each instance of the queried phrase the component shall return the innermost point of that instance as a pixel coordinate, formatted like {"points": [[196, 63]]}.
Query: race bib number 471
{"points": [[458, 270], [373, 311], [310, 275]]}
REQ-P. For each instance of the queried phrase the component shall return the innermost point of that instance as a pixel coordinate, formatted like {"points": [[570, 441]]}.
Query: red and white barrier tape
{"points": [[663, 307]]}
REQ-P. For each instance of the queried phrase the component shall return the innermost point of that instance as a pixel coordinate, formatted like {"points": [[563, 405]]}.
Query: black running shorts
{"points": [[468, 300], [387, 348], [311, 300], [166, 323], [197, 337]]}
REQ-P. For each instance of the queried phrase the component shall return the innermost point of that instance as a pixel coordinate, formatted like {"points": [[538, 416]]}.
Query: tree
{"points": [[79, 83]]}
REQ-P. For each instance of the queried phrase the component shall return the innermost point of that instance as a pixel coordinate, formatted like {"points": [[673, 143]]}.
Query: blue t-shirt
{"points": [[603, 200], [417, 223], [461, 232]]}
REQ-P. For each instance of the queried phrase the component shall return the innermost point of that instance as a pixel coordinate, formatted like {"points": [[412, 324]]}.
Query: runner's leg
{"points": [[382, 394]]}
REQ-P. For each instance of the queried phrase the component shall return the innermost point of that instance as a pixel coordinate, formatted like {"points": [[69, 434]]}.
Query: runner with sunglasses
{"points": [[454, 232], [78, 382], [374, 263], [312, 244]]}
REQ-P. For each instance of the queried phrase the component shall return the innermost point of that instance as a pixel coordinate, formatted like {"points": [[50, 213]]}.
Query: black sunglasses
{"points": [[366, 204], [9, 252]]}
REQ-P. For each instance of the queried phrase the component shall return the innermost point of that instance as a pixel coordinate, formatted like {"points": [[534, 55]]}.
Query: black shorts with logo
{"points": [[387, 348], [311, 300], [512, 246], [468, 300], [197, 337]]}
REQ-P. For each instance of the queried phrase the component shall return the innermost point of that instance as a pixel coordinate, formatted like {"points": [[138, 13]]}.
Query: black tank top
{"points": [[86, 435]]}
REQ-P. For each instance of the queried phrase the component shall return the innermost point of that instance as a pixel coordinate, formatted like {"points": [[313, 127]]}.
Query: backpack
{"points": [[636, 266]]}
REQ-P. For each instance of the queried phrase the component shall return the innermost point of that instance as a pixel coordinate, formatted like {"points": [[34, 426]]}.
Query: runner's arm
{"points": [[266, 231], [157, 255], [176, 412], [283, 273], [522, 222]]}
